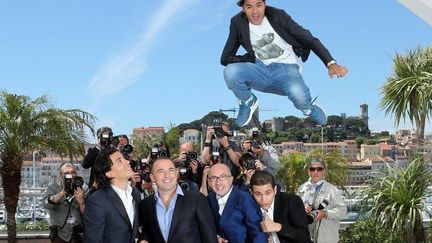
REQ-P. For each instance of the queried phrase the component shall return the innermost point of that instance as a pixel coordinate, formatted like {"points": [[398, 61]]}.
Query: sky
{"points": [[157, 62]]}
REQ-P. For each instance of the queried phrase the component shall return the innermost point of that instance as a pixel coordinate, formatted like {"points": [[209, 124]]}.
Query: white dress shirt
{"points": [[223, 200], [127, 200]]}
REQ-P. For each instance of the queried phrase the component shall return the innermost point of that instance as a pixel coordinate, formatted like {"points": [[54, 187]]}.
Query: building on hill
{"points": [[152, 133], [190, 135]]}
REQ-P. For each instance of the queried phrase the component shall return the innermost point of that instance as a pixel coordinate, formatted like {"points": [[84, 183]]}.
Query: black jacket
{"points": [[290, 213], [299, 38], [192, 220]]}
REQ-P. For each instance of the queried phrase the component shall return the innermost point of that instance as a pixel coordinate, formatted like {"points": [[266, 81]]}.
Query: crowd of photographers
{"points": [[230, 174]]}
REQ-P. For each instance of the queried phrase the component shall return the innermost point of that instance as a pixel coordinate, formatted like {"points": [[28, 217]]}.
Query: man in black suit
{"points": [[276, 46], [284, 218], [174, 215], [111, 214]]}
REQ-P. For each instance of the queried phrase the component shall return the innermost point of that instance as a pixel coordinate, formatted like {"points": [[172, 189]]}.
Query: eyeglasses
{"points": [[222, 177], [316, 169]]}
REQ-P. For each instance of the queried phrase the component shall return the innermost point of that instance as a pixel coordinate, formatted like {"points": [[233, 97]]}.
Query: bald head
{"points": [[219, 169]]}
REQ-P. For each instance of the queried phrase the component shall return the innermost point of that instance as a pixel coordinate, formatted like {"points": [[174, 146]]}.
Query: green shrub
{"points": [[370, 231]]}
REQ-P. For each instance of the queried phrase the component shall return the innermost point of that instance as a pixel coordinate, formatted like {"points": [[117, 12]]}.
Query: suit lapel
{"points": [[136, 200], [153, 215], [229, 206], [277, 209], [118, 204], [246, 34], [176, 218]]}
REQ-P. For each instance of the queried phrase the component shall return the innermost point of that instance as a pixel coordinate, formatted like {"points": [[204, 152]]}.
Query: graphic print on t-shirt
{"points": [[265, 48]]}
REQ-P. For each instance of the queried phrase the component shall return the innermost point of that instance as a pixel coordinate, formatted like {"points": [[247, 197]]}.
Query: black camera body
{"points": [[190, 156], [157, 152], [247, 160], [312, 215], [220, 133], [107, 139], [145, 176], [71, 183]]}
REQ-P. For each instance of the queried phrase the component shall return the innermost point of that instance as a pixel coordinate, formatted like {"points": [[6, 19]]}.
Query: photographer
{"points": [[228, 150], [266, 154], [248, 165], [141, 178], [183, 176], [323, 203], [189, 157], [65, 201], [103, 135], [158, 150]]}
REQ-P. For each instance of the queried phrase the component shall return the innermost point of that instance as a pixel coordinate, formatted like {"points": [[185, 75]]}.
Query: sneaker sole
{"points": [[253, 109]]}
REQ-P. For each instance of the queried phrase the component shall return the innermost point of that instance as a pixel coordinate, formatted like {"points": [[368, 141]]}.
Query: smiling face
{"points": [[220, 179], [164, 174], [264, 195], [254, 10], [316, 171]]}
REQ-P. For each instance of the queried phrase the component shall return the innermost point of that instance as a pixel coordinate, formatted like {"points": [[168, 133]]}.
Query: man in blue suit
{"points": [[111, 214], [237, 216]]}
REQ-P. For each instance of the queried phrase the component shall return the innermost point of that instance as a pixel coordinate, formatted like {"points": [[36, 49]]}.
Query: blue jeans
{"points": [[277, 78]]}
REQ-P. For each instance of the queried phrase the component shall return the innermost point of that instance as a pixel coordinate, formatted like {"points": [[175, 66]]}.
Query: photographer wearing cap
{"points": [[217, 140], [65, 201], [323, 204], [267, 155]]}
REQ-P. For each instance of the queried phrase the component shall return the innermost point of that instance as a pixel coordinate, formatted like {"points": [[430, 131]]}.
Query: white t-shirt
{"points": [[269, 47]]}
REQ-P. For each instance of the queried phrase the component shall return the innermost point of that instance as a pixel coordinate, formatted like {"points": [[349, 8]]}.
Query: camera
{"points": [[157, 152], [190, 156], [312, 215], [107, 139], [248, 161], [184, 173], [71, 183], [215, 157], [126, 149], [255, 143], [145, 176], [220, 133]]}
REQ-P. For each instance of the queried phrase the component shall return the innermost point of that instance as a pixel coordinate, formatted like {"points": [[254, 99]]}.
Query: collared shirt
{"points": [[127, 200], [164, 215], [270, 214], [223, 200]]}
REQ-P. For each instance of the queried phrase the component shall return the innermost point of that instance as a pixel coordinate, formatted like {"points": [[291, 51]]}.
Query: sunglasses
{"points": [[316, 169]]}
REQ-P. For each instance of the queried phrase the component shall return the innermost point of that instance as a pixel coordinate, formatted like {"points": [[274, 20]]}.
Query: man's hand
{"points": [[248, 175], [221, 240], [135, 179], [259, 165], [182, 157], [223, 141], [337, 70], [194, 166], [321, 214], [210, 133], [79, 195], [308, 208], [268, 226]]}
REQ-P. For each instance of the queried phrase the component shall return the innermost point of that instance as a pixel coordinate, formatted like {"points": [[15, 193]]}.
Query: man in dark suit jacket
{"points": [[270, 36], [284, 218], [111, 214], [174, 215], [236, 214]]}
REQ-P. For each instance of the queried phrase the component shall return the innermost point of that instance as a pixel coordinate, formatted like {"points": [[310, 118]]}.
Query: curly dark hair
{"points": [[102, 165], [241, 2]]}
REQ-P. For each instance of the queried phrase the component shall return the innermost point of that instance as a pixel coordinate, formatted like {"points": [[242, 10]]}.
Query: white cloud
{"points": [[124, 70]]}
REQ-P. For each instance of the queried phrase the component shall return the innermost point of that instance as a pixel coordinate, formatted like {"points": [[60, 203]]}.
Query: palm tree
{"points": [[27, 125], [395, 198], [293, 172], [408, 91]]}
